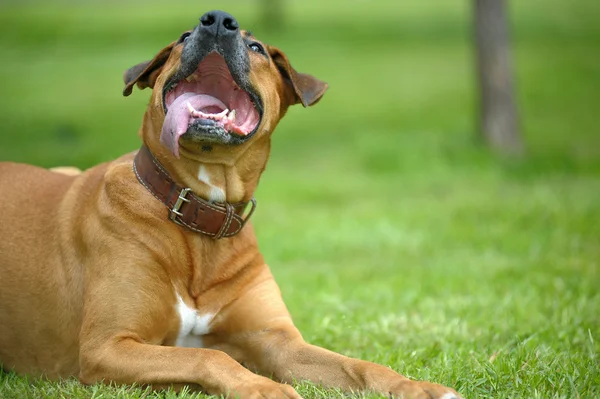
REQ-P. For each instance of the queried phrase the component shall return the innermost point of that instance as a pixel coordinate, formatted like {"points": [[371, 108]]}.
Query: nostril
{"points": [[230, 24], [207, 20]]}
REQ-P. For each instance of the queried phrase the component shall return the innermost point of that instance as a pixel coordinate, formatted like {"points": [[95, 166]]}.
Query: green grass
{"points": [[394, 235]]}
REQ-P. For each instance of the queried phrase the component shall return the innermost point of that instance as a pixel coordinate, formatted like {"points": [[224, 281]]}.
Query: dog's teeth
{"points": [[221, 115], [190, 108], [231, 116]]}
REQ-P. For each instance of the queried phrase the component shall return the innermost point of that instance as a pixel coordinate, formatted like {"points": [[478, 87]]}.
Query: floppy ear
{"points": [[144, 74], [306, 89]]}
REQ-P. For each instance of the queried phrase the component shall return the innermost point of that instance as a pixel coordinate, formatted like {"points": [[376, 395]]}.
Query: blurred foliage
{"points": [[398, 71]]}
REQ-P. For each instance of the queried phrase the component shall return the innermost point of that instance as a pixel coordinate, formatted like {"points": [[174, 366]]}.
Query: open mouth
{"points": [[209, 105]]}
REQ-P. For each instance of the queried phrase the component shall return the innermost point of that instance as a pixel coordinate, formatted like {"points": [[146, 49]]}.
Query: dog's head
{"points": [[219, 87]]}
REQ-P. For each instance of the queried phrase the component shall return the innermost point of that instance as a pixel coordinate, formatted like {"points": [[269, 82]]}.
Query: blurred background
{"points": [[387, 194], [400, 71]]}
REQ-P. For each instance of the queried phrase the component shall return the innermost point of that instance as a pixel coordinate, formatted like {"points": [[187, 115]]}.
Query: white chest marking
{"points": [[193, 325], [216, 194]]}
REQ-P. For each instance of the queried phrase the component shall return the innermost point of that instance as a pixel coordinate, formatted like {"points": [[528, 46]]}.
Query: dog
{"points": [[146, 269]]}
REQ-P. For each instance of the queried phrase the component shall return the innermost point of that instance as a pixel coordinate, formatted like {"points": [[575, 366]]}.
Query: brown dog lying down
{"points": [[145, 270]]}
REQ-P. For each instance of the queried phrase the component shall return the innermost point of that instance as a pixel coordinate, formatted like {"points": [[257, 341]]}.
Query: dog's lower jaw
{"points": [[208, 135]]}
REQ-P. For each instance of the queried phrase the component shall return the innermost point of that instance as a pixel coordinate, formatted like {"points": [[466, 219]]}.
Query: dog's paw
{"points": [[264, 388], [423, 390]]}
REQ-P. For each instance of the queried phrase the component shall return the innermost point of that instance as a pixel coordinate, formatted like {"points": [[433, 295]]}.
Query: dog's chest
{"points": [[193, 325]]}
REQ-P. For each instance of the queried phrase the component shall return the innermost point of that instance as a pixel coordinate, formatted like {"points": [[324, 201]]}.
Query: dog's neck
{"points": [[215, 182], [221, 174]]}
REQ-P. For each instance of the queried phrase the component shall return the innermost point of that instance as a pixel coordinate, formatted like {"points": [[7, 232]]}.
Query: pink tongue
{"points": [[178, 117]]}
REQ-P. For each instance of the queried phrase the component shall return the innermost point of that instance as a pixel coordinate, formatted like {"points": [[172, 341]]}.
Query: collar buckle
{"points": [[174, 212]]}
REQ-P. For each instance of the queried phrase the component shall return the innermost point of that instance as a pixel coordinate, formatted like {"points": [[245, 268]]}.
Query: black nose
{"points": [[218, 23]]}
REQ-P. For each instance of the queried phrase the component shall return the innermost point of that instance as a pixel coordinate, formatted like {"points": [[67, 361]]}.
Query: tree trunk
{"points": [[498, 116], [272, 14]]}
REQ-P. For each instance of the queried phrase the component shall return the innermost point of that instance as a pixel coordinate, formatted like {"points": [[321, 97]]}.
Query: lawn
{"points": [[394, 235]]}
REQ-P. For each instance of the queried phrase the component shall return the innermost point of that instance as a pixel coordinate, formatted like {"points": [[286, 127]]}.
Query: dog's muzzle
{"points": [[210, 97]]}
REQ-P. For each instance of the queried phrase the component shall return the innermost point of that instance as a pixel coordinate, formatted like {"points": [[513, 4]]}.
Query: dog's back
{"points": [[35, 284]]}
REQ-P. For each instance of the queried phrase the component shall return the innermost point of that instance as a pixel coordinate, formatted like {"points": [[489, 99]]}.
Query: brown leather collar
{"points": [[214, 219]]}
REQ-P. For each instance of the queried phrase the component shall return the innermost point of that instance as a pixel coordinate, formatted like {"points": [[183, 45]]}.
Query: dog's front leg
{"points": [[129, 313], [270, 343], [127, 361], [302, 361]]}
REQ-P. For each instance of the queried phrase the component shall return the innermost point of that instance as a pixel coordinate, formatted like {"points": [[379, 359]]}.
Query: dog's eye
{"points": [[184, 37], [257, 48]]}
